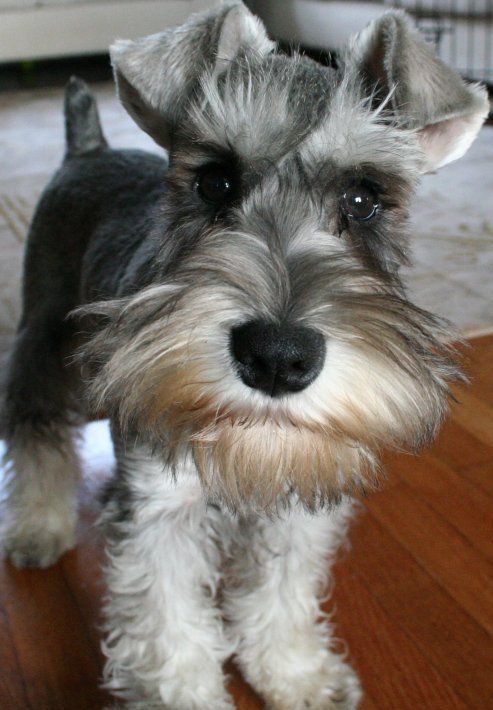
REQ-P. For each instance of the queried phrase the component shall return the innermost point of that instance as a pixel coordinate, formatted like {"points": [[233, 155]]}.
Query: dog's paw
{"points": [[333, 687], [340, 689], [198, 698], [181, 690], [222, 703], [38, 548]]}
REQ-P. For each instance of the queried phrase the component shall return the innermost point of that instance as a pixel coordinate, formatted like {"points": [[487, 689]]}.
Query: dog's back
{"points": [[99, 202], [98, 206]]}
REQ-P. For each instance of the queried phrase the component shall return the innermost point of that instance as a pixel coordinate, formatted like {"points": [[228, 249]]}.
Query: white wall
{"points": [[68, 27]]}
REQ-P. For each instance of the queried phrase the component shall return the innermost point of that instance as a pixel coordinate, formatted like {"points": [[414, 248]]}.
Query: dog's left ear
{"points": [[424, 93], [156, 75]]}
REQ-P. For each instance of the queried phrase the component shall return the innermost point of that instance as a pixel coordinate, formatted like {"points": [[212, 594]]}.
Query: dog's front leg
{"points": [[279, 570], [164, 635]]}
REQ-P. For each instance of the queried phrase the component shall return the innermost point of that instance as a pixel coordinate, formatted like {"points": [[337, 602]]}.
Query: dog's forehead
{"points": [[269, 110], [263, 109], [305, 85]]}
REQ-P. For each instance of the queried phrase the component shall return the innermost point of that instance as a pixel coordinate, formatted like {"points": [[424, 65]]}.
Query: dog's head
{"points": [[276, 347]]}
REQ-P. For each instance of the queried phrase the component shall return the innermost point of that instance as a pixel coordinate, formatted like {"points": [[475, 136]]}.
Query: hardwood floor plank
{"points": [[482, 476], [460, 449], [50, 640], [404, 680], [474, 414], [82, 569], [451, 495], [445, 554], [12, 686], [83, 566], [479, 361], [445, 634]]}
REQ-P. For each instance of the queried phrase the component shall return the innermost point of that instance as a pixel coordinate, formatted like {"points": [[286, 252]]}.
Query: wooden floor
{"points": [[413, 597]]}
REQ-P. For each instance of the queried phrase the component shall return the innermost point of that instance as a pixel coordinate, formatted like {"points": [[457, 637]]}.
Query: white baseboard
{"points": [[85, 28]]}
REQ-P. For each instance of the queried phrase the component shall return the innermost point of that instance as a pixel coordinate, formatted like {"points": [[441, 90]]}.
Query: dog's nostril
{"points": [[277, 359], [298, 366], [259, 363], [245, 359]]}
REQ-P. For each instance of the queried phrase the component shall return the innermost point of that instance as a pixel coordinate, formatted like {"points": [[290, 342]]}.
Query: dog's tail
{"points": [[82, 126]]}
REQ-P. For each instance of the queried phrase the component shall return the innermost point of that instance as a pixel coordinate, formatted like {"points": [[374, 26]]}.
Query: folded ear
{"points": [[156, 75], [424, 93]]}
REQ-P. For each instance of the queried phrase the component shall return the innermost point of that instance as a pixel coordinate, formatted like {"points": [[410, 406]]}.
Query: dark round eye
{"points": [[359, 202], [215, 184]]}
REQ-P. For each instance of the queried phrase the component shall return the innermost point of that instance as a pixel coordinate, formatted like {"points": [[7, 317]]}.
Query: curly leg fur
{"points": [[278, 571], [165, 643]]}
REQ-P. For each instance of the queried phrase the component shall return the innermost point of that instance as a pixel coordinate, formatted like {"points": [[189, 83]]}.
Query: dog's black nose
{"points": [[277, 358]]}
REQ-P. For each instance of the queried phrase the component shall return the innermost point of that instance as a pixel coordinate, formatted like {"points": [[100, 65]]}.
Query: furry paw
{"points": [[158, 705], [31, 547], [181, 690], [221, 703], [333, 687]]}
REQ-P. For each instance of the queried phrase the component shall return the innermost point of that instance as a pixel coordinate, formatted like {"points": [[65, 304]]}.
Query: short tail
{"points": [[82, 125]]}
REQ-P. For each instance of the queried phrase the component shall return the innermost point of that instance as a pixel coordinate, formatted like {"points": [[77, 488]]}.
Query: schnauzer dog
{"points": [[240, 318]]}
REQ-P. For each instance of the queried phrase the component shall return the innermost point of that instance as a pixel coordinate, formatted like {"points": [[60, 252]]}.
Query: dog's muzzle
{"points": [[277, 359]]}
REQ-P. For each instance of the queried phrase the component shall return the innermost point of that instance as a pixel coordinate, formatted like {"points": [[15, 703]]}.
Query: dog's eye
{"points": [[360, 203], [215, 184]]}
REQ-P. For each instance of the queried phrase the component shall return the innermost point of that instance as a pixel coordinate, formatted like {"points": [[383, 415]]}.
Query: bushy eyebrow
{"points": [[191, 148], [217, 150]]}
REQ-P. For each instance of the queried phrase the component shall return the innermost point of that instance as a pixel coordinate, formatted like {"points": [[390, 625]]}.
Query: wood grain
{"points": [[359, 612], [474, 415], [453, 496], [481, 476], [439, 549], [51, 641], [457, 646]]}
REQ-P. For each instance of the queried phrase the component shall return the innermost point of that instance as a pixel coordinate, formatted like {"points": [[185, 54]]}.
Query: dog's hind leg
{"points": [[279, 569], [42, 473], [40, 403], [165, 642], [41, 465]]}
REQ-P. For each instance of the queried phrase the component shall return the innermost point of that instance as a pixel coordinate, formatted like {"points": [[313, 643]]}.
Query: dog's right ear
{"points": [[156, 75]]}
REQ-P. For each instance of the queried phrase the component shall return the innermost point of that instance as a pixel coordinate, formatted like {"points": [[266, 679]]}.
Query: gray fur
{"points": [[83, 129], [133, 283], [391, 56], [423, 93], [156, 75]]}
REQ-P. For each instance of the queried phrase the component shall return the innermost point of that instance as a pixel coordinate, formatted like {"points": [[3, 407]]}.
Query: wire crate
{"points": [[461, 30]]}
